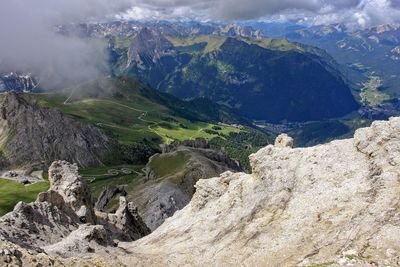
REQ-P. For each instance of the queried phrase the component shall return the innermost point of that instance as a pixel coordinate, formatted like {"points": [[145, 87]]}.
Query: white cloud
{"points": [[29, 42], [355, 13]]}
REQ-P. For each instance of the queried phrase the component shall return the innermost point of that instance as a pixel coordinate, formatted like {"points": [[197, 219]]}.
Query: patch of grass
{"points": [[274, 44], [371, 94], [128, 116], [12, 192], [121, 119], [99, 178], [164, 165], [195, 130], [123, 42], [213, 42]]}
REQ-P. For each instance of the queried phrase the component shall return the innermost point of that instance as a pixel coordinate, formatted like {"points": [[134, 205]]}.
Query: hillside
{"points": [[281, 215], [35, 136], [170, 180], [265, 79], [371, 52], [109, 124], [131, 112]]}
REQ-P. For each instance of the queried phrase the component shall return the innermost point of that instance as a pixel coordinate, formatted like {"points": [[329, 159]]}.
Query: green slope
{"points": [[12, 192], [131, 112]]}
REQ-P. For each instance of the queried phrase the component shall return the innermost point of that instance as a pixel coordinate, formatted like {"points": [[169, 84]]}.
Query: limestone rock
{"points": [[86, 239], [62, 222], [284, 140], [65, 180], [338, 203], [108, 193], [38, 224], [125, 223]]}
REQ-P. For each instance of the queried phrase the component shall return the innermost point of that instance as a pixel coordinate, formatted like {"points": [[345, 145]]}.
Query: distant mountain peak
{"points": [[234, 30], [147, 47], [384, 28]]}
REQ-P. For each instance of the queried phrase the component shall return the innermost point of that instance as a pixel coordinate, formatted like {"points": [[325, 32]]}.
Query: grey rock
{"points": [[335, 203], [66, 181], [284, 140], [63, 221], [107, 195], [52, 136], [161, 196]]}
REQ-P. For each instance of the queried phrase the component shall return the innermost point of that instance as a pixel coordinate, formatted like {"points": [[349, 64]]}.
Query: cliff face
{"points": [[333, 204], [337, 202], [33, 135]]}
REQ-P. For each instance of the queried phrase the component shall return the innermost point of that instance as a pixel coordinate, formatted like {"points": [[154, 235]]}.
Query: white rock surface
{"points": [[299, 207], [284, 140]]}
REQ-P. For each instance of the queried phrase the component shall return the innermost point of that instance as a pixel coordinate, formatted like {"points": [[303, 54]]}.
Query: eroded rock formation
{"points": [[336, 204], [62, 221]]}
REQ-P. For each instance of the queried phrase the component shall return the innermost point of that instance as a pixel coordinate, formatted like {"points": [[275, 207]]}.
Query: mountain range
{"points": [[372, 52], [264, 79], [168, 160], [17, 82]]}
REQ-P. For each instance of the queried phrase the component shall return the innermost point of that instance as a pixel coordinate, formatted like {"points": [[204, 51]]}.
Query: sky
{"points": [[354, 13], [29, 42]]}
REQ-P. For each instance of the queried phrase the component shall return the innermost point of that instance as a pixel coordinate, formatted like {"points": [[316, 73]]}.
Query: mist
{"points": [[30, 43]]}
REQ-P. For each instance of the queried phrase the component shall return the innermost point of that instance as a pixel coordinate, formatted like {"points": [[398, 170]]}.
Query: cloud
{"points": [[355, 13], [367, 13], [29, 41]]}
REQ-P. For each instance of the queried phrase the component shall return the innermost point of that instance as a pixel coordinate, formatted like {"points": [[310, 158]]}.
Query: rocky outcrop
{"points": [[147, 48], [52, 136], [125, 223], [165, 192], [333, 204], [65, 180], [63, 221], [336, 204], [284, 140]]}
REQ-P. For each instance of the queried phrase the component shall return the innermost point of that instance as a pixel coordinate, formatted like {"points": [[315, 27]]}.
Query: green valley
{"points": [[131, 112]]}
